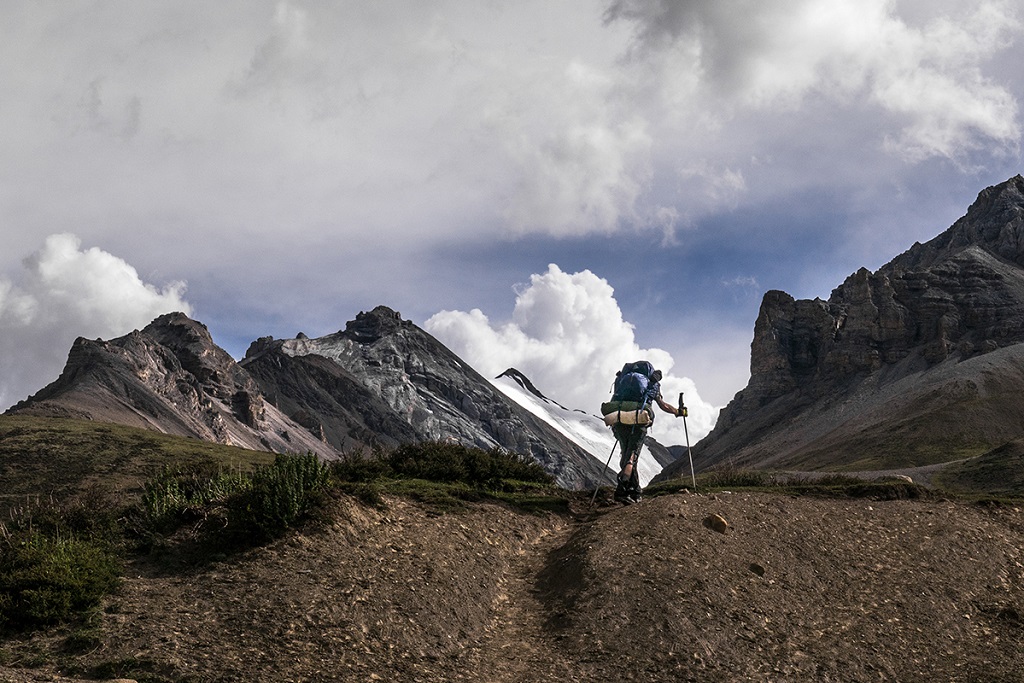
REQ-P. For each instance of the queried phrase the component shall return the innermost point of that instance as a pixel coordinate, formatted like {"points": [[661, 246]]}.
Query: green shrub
{"points": [[57, 558], [249, 507], [91, 514], [448, 462], [255, 507], [279, 495], [176, 496], [46, 580], [359, 467]]}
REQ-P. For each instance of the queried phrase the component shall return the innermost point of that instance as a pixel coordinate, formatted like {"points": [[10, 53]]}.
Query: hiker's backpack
{"points": [[632, 382], [631, 399]]}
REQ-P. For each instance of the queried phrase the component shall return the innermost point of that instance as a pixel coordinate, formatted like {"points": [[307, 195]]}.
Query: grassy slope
{"points": [[999, 472], [58, 457]]}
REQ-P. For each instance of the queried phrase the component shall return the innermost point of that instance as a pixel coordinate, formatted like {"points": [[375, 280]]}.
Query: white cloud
{"points": [[407, 122], [568, 336], [742, 281], [66, 292], [719, 60], [580, 163]]}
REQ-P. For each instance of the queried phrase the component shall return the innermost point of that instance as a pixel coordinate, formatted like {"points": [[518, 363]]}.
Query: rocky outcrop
{"points": [[383, 380], [524, 381], [172, 378], [824, 374]]}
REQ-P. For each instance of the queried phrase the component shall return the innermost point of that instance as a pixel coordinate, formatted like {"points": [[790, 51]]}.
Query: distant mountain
{"points": [[918, 363], [384, 380], [170, 377], [381, 381]]}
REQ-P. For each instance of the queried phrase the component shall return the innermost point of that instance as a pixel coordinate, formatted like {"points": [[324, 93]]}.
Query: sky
{"points": [[557, 186]]}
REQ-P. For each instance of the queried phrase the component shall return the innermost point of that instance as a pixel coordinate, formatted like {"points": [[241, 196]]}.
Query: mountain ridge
{"points": [[917, 363], [380, 382], [437, 394]]}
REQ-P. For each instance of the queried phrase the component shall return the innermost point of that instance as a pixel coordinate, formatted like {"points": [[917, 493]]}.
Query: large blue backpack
{"points": [[632, 382]]}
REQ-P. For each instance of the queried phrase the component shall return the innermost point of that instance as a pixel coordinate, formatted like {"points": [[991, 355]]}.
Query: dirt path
{"points": [[519, 644]]}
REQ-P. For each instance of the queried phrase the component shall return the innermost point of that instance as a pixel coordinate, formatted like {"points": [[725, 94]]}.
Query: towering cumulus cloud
{"points": [[65, 292], [567, 334]]}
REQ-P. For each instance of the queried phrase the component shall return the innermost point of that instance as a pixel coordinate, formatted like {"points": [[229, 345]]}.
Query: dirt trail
{"points": [[518, 645]]}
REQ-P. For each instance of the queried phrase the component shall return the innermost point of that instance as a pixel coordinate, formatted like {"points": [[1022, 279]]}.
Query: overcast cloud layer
{"points": [[297, 162]]}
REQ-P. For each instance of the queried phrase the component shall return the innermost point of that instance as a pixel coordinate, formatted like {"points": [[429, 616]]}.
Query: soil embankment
{"points": [[796, 589]]}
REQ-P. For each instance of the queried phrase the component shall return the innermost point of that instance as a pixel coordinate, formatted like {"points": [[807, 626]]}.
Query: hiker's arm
{"points": [[668, 408]]}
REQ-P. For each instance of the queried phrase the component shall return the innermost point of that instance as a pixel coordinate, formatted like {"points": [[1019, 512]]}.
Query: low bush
{"points": [[247, 507], [279, 495], [175, 496], [45, 580], [442, 462], [448, 462], [358, 467], [56, 561]]}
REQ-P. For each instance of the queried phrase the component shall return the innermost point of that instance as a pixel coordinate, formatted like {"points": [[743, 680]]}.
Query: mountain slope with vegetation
{"points": [[477, 578]]}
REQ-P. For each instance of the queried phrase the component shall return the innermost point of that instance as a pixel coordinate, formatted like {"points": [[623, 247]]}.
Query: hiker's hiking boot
{"points": [[628, 497], [621, 490]]}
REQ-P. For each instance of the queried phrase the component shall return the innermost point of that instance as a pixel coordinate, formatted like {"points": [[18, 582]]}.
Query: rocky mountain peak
{"points": [[378, 323], [994, 223], [191, 342], [172, 378], [383, 381], [935, 315]]}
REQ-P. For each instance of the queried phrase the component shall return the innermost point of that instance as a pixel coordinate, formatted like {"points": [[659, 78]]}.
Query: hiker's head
{"points": [[656, 376]]}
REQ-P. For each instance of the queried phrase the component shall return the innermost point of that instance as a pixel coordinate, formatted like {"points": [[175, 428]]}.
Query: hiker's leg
{"points": [[633, 486], [632, 440], [621, 433]]}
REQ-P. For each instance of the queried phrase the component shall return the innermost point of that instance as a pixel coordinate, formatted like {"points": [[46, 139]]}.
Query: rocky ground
{"points": [[795, 589]]}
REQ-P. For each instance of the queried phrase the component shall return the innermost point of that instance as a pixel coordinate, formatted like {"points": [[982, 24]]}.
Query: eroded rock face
{"points": [[948, 301], [384, 380], [172, 378]]}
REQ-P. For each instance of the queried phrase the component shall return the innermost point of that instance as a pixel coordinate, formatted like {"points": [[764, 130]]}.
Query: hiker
{"points": [[637, 386]]}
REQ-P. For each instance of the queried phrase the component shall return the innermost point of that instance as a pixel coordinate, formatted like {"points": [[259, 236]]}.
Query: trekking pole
{"points": [[598, 486], [683, 412]]}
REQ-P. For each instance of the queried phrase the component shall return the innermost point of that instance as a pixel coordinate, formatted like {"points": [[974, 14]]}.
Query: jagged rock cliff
{"points": [[919, 362], [384, 380], [172, 378]]}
